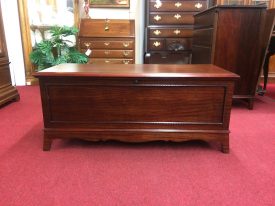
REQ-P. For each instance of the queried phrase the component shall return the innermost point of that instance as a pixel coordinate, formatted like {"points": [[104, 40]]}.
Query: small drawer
{"points": [[177, 5], [96, 53], [167, 58], [110, 61], [170, 32], [107, 28], [162, 18], [86, 43], [156, 44], [178, 44]]}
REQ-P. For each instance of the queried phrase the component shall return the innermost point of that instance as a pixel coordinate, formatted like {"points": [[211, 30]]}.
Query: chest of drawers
{"points": [[107, 41], [169, 30], [230, 37]]}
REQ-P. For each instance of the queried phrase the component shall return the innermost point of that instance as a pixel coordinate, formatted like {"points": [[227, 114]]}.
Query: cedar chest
{"points": [[136, 103]]}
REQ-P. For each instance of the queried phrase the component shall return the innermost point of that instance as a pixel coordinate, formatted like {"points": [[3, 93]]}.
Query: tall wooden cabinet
{"points": [[169, 30], [230, 37], [107, 41], [269, 40], [7, 91]]}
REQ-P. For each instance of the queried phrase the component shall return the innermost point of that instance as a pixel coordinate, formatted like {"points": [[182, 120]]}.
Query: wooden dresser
{"points": [[108, 41], [136, 103], [230, 37], [169, 30], [7, 91]]}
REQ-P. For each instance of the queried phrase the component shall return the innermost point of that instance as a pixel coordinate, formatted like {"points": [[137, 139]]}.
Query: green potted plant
{"points": [[57, 49]]}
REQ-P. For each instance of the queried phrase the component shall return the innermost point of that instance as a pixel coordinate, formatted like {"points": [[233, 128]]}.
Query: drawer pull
{"points": [[107, 61], [157, 32], [126, 53], [198, 5], [126, 44], [177, 32], [178, 4], [107, 52], [157, 17], [126, 61], [156, 43], [158, 4], [87, 44], [106, 43], [106, 27], [177, 16]]}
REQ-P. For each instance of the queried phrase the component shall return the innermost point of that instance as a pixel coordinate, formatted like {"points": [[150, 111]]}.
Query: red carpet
{"points": [[270, 91], [111, 173]]}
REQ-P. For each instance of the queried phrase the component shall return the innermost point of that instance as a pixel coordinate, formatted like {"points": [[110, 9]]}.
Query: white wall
{"points": [[13, 39], [140, 21]]}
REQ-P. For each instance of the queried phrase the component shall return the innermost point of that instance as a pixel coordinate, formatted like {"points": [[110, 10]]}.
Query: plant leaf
{"points": [[57, 49]]}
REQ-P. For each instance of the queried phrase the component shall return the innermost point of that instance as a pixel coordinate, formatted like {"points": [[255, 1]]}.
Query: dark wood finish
{"points": [[110, 41], [136, 103], [230, 37], [107, 43], [7, 91], [170, 5], [169, 44], [168, 57], [269, 45], [170, 18], [158, 32], [167, 20]]}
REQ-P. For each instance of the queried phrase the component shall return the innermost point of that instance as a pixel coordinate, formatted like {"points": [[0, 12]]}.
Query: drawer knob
{"points": [[158, 4], [177, 16], [106, 43], [178, 4], [107, 61], [126, 44], [126, 61], [198, 5], [157, 32], [107, 52], [177, 32], [87, 44], [126, 53], [157, 17], [156, 43]]}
